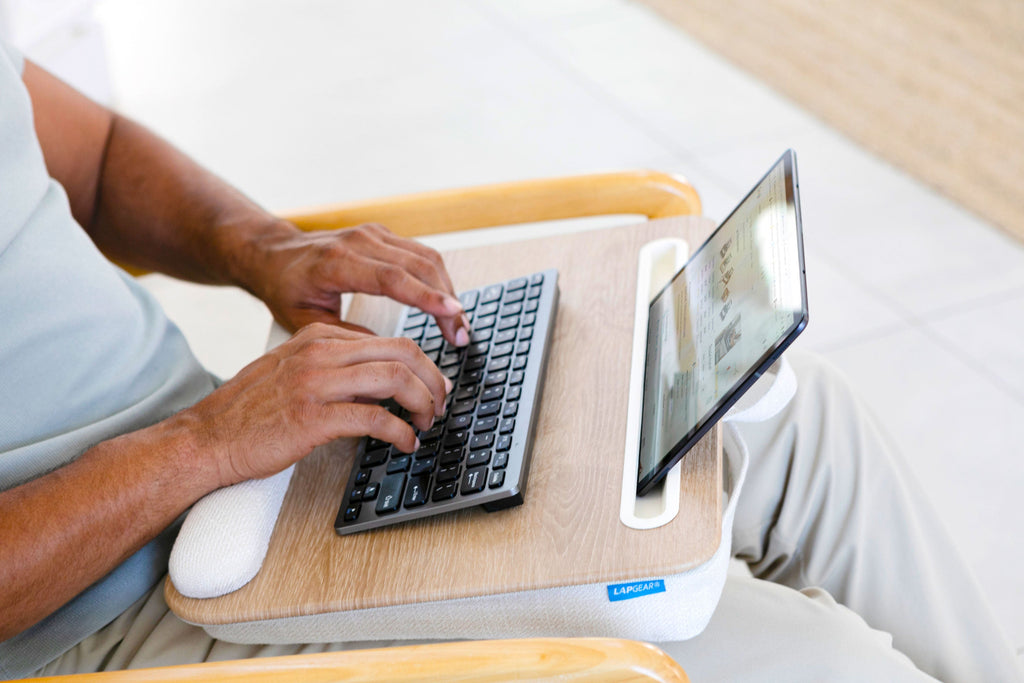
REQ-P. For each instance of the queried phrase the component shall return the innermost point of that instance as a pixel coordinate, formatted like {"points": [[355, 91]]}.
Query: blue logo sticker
{"points": [[636, 589]]}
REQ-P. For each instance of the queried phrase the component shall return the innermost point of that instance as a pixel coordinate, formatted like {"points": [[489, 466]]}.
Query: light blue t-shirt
{"points": [[85, 354]]}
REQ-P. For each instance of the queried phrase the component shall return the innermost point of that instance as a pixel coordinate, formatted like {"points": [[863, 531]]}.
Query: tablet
{"points": [[725, 317]]}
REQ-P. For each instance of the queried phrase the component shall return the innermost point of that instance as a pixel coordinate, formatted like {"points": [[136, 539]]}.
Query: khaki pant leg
{"points": [[766, 633], [828, 502]]}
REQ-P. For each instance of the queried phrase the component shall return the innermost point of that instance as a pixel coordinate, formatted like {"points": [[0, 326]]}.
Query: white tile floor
{"points": [[309, 102]]}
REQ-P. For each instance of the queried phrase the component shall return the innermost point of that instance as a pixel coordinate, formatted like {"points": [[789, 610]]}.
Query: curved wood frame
{"points": [[649, 193], [563, 659]]}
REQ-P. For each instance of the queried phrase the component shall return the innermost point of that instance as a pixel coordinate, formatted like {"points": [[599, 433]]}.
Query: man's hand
{"points": [[318, 386], [301, 275]]}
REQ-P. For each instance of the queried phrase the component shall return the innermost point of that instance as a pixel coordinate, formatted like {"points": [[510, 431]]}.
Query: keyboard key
{"points": [[352, 512], [488, 309], [485, 440], [522, 348], [505, 336], [500, 460], [492, 394], [484, 323], [513, 393], [371, 491], [452, 456], [518, 283], [480, 336], [513, 297], [432, 434], [417, 319], [529, 319], [473, 480], [457, 422], [400, 464], [537, 278], [508, 425], [415, 334], [495, 378], [454, 439], [496, 479], [485, 424], [432, 331], [390, 493], [424, 466], [510, 409], [486, 409], [469, 299], [478, 349], [356, 495], [448, 473], [509, 323], [374, 458], [499, 364], [463, 393], [477, 458], [432, 344], [474, 363], [526, 333], [516, 377], [471, 377], [535, 292], [462, 407], [502, 350], [428, 450], [416, 491], [504, 443], [445, 491], [448, 360], [492, 293], [451, 372], [520, 362], [531, 306], [363, 477], [510, 309]]}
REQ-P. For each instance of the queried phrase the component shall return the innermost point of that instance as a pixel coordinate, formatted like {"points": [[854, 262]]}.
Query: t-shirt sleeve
{"points": [[12, 53]]}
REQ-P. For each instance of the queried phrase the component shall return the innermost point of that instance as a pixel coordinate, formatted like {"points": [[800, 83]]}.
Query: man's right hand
{"points": [[320, 385]]}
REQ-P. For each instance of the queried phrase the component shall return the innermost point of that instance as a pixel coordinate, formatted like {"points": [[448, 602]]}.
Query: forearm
{"points": [[62, 532], [159, 210]]}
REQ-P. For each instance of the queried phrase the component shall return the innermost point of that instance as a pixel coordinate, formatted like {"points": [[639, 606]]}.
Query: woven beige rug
{"points": [[934, 86]]}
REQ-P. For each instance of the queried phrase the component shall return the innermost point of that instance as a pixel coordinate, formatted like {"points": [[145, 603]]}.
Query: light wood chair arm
{"points": [[540, 659], [648, 193]]}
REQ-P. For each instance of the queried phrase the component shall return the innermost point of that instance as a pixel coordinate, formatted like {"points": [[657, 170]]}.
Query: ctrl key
{"points": [[390, 496]]}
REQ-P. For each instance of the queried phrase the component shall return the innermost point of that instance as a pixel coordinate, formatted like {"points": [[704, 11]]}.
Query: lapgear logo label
{"points": [[636, 589]]}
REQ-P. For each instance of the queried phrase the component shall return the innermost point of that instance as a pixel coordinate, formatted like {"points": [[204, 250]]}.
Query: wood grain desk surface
{"points": [[568, 530]]}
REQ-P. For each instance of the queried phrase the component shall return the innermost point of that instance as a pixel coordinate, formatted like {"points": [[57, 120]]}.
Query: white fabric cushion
{"points": [[224, 540]]}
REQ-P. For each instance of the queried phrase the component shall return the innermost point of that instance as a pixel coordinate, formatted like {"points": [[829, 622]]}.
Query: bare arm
{"points": [[145, 203], [62, 532]]}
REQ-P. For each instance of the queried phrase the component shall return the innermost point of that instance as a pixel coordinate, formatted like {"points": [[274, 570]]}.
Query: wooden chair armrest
{"points": [[648, 193], [564, 659]]}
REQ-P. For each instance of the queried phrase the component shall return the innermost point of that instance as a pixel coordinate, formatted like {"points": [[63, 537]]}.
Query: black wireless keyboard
{"points": [[479, 452]]}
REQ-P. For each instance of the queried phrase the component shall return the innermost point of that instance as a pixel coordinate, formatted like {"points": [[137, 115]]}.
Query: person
{"points": [[105, 416]]}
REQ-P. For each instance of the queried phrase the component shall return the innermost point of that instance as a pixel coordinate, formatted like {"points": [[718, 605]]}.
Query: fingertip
{"points": [[461, 337]]}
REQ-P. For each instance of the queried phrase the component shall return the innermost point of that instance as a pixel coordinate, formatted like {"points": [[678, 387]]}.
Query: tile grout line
{"points": [[638, 122], [656, 135], [922, 323]]}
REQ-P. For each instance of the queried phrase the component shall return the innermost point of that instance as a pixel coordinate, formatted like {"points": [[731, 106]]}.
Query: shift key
{"points": [[390, 493]]}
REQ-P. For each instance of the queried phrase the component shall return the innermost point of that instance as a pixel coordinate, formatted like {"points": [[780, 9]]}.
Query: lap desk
{"points": [[568, 531]]}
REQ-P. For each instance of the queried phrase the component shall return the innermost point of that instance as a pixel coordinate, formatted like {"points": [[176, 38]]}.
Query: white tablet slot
{"points": [[658, 262]]}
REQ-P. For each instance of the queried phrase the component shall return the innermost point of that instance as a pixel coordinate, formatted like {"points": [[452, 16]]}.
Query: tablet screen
{"points": [[722, 320]]}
